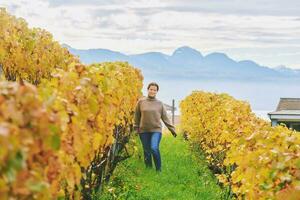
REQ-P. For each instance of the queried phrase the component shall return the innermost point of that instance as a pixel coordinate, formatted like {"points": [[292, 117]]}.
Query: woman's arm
{"points": [[166, 120], [137, 117]]}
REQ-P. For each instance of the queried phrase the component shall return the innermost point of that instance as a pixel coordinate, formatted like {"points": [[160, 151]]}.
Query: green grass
{"points": [[184, 175]]}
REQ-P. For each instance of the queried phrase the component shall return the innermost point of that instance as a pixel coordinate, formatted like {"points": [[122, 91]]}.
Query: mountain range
{"points": [[186, 62]]}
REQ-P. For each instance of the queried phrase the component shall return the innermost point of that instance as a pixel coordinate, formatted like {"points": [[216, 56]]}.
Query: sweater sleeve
{"points": [[137, 115], [166, 120]]}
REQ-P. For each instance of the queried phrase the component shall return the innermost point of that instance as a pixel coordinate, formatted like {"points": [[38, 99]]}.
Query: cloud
{"points": [[238, 7], [153, 25]]}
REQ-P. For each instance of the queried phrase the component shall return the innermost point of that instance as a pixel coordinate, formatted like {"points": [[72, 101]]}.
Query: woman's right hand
{"points": [[174, 134]]}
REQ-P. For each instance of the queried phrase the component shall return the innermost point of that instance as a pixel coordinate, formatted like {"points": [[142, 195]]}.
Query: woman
{"points": [[148, 113]]}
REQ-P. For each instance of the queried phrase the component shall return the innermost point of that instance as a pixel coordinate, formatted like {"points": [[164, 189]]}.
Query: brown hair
{"points": [[153, 84]]}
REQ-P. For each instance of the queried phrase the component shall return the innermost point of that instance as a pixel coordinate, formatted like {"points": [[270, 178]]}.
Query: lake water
{"points": [[262, 96]]}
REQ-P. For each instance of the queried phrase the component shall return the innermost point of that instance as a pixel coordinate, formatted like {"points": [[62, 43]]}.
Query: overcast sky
{"points": [[266, 31]]}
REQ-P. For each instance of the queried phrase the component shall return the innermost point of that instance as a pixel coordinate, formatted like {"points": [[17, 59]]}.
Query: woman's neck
{"points": [[151, 97]]}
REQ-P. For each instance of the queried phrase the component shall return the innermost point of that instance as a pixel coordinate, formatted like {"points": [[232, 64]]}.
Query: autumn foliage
{"points": [[256, 160], [57, 116]]}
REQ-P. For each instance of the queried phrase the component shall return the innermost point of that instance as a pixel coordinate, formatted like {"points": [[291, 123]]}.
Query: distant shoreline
{"points": [[259, 113]]}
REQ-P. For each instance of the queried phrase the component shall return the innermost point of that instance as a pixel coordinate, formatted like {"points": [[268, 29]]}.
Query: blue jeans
{"points": [[150, 142]]}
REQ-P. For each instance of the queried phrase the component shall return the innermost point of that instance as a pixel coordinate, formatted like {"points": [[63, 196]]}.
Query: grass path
{"points": [[184, 175]]}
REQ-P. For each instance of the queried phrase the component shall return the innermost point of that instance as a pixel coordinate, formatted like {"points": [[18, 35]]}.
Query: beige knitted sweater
{"points": [[148, 112]]}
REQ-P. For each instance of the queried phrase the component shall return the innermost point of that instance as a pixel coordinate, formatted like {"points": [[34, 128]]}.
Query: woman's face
{"points": [[152, 91]]}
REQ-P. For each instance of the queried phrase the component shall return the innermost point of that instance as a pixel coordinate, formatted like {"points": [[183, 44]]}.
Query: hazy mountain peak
{"points": [[281, 67], [186, 50], [217, 55], [249, 62], [186, 61], [66, 46], [149, 53]]}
